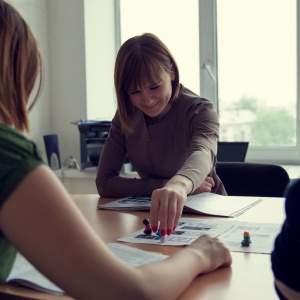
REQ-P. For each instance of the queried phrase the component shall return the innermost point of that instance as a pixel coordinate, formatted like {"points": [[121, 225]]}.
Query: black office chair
{"points": [[232, 151], [253, 179]]}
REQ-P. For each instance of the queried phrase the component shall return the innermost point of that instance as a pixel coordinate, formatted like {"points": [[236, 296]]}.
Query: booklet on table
{"points": [[206, 204]]}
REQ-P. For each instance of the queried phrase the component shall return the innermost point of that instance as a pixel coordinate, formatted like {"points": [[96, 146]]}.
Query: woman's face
{"points": [[153, 99]]}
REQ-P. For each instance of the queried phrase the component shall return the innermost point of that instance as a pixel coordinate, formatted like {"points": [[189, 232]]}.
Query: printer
{"points": [[93, 134]]}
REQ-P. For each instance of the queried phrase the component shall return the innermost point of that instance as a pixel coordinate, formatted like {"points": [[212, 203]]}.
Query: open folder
{"points": [[23, 273], [205, 204]]}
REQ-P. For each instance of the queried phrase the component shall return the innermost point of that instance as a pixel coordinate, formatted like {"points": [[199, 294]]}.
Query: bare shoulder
{"points": [[39, 185]]}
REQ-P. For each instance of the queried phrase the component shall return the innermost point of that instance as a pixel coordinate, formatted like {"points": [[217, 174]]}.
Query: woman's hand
{"points": [[167, 204], [213, 253], [205, 187]]}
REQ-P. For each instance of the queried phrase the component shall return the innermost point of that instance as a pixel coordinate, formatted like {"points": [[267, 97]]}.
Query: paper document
{"points": [[205, 203], [25, 274], [135, 257], [229, 232]]}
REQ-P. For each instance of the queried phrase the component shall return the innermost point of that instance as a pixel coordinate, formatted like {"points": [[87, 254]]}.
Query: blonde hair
{"points": [[141, 60], [20, 63]]}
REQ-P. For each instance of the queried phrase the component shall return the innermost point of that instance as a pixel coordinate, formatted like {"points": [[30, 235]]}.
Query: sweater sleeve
{"points": [[109, 181], [204, 128]]}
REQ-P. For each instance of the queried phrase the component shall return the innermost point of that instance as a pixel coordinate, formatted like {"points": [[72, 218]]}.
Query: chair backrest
{"points": [[253, 179], [232, 151]]}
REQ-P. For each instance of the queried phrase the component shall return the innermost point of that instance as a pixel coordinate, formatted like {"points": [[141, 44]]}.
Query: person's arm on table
{"points": [[204, 255], [193, 177], [54, 236], [109, 182], [206, 187], [202, 121], [167, 203]]}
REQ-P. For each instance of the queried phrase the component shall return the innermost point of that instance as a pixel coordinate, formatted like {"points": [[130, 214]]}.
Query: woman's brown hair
{"points": [[141, 60], [20, 63]]}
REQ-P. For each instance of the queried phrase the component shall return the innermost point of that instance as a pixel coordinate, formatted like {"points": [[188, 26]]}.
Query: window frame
{"points": [[209, 79], [208, 38]]}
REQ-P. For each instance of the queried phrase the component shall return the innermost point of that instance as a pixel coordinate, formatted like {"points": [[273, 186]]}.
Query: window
{"points": [[175, 23], [257, 71], [241, 55]]}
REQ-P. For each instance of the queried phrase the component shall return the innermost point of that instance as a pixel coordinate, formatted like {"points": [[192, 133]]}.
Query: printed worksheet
{"points": [[203, 204], [25, 274], [135, 257], [230, 233]]}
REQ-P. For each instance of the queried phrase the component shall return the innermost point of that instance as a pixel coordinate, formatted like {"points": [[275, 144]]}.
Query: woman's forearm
{"points": [[180, 181], [120, 186], [172, 276], [43, 242]]}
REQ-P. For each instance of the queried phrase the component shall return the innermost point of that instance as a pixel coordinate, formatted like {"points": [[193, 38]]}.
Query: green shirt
{"points": [[18, 157]]}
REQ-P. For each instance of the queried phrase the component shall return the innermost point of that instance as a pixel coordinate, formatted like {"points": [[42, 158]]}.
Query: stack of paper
{"points": [[25, 274], [205, 204]]}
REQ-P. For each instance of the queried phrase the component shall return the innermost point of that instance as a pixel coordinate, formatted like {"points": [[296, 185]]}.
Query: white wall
{"points": [[69, 76], [67, 72], [35, 13], [100, 47]]}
